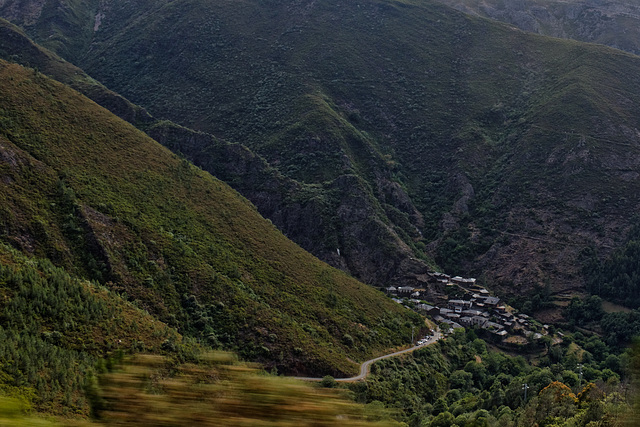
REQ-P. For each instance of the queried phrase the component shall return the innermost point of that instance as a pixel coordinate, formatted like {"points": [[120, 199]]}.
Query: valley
{"points": [[434, 147], [437, 158], [304, 183]]}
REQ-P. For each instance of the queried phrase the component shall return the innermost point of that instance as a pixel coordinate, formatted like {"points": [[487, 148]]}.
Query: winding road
{"points": [[364, 368]]}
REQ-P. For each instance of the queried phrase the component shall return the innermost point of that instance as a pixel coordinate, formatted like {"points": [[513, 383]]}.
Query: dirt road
{"points": [[364, 368]]}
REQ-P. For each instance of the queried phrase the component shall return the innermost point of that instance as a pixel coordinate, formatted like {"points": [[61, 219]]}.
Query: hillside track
{"points": [[364, 368]]}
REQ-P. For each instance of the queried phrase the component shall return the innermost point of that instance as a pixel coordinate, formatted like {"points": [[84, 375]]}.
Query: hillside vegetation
{"points": [[100, 199], [365, 242], [55, 330], [611, 23], [382, 136], [461, 381], [215, 389], [498, 153]]}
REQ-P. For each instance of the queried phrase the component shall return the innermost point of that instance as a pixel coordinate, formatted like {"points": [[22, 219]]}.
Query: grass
{"points": [[610, 307]]}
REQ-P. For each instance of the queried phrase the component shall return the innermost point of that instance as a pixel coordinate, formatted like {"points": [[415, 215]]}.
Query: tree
{"points": [[443, 419], [461, 380]]}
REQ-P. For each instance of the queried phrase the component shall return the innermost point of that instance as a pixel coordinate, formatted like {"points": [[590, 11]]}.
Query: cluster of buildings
{"points": [[474, 306]]}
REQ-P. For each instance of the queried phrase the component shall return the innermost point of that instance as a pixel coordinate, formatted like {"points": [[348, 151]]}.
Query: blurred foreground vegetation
{"points": [[456, 383], [153, 390]]}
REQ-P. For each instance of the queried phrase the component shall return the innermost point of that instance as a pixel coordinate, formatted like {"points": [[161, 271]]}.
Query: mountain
{"points": [[376, 253], [499, 153], [100, 199], [16, 46], [611, 23], [525, 169]]}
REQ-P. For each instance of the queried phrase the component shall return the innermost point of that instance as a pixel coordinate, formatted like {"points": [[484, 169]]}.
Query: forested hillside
{"points": [[55, 329], [408, 129], [609, 22], [100, 199], [386, 137], [463, 382]]}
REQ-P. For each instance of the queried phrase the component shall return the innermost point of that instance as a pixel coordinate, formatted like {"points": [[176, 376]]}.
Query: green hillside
{"points": [[611, 23], [55, 329], [382, 136], [373, 244], [517, 150], [99, 198], [496, 153], [15, 46]]}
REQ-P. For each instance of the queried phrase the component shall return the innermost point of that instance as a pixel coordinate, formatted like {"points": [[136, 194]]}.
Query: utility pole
{"points": [[580, 376], [412, 327], [525, 387]]}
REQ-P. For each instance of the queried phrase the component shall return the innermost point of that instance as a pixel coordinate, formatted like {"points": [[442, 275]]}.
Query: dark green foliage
{"points": [[328, 382], [54, 328], [462, 380], [538, 298], [589, 310], [617, 277], [618, 328]]}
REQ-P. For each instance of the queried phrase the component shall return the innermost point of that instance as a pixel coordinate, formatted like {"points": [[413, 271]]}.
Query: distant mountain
{"points": [[17, 47], [415, 130], [378, 256], [614, 23], [91, 194]]}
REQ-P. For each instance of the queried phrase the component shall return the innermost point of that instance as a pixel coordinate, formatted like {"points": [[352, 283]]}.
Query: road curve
{"points": [[364, 368]]}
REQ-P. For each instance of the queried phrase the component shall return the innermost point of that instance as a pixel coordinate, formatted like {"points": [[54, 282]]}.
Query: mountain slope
{"points": [[611, 23], [15, 46], [510, 152], [464, 113], [340, 221], [98, 197], [374, 247], [54, 330]]}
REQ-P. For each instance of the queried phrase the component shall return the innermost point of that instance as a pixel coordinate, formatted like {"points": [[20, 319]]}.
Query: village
{"points": [[472, 307]]}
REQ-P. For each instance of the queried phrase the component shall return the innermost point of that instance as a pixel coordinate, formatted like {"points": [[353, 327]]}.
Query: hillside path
{"points": [[364, 368]]}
